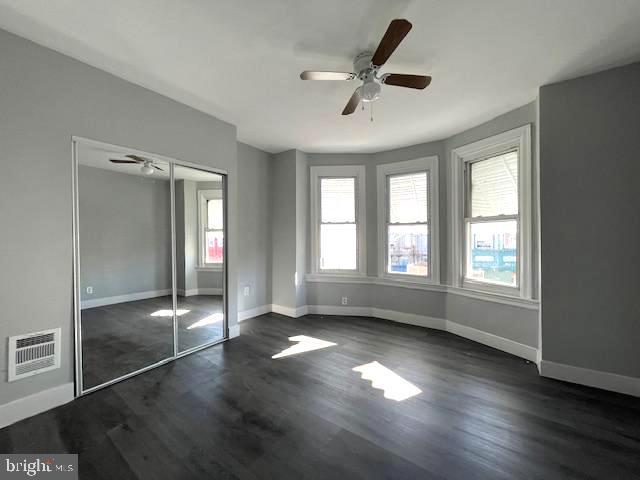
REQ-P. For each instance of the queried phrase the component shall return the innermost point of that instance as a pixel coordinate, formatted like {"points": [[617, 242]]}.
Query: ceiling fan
{"points": [[367, 66], [147, 164]]}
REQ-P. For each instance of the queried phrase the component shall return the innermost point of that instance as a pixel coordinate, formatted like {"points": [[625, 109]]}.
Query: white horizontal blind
{"points": [[408, 198], [494, 186], [338, 230], [337, 200], [214, 214]]}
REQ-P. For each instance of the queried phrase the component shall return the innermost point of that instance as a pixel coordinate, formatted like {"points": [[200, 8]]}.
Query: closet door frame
{"points": [[75, 140]]}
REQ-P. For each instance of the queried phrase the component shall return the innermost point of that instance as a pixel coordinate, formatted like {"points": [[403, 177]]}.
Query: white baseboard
{"points": [[339, 310], [37, 403], [234, 331], [410, 318], [130, 297], [394, 316], [209, 291], [290, 311], [506, 345], [199, 291], [254, 312], [591, 378]]}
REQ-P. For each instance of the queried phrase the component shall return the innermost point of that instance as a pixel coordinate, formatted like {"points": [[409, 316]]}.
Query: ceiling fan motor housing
{"points": [[370, 89]]}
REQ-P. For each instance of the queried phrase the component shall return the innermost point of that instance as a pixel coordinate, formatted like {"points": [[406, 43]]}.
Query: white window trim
{"points": [[410, 166], [203, 196], [316, 173], [519, 138]]}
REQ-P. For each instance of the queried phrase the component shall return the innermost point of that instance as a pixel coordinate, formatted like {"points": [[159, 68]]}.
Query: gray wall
{"points": [[590, 194], [186, 235], [254, 225], [302, 208], [125, 233], [283, 228], [46, 98]]}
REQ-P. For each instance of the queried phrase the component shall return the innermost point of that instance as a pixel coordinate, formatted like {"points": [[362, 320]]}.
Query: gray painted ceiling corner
{"points": [[239, 61]]}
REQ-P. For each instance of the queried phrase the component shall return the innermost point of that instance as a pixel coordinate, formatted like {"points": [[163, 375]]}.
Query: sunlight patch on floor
{"points": [[305, 344], [394, 386], [169, 313], [211, 319]]}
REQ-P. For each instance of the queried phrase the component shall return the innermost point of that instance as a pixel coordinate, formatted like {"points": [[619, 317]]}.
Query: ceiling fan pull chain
{"points": [[371, 111]]}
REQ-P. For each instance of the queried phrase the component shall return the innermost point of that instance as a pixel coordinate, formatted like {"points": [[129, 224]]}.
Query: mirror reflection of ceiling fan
{"points": [[147, 165], [367, 65]]}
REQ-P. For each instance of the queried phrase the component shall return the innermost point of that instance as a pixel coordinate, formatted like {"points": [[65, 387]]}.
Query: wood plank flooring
{"points": [[231, 411]]}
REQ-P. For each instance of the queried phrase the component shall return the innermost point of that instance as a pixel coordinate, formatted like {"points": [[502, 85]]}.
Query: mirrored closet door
{"points": [[199, 212], [149, 269]]}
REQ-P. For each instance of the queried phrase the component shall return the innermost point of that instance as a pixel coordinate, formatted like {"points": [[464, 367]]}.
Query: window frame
{"points": [[383, 172], [518, 139], [203, 219], [339, 171]]}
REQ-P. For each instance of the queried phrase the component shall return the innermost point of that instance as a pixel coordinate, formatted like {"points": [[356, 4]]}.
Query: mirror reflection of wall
{"points": [[199, 211], [124, 213]]}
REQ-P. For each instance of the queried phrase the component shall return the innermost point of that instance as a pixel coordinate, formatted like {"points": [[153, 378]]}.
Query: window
{"points": [[337, 209], [211, 228], [408, 220], [491, 219], [491, 208]]}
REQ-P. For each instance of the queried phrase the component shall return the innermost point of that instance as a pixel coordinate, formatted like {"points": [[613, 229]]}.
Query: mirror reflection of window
{"points": [[199, 210]]}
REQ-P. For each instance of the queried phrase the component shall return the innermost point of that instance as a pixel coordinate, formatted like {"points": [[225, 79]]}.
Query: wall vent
{"points": [[33, 353]]}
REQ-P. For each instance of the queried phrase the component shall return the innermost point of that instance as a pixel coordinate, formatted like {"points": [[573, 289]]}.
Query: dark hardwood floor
{"points": [[124, 337], [232, 411]]}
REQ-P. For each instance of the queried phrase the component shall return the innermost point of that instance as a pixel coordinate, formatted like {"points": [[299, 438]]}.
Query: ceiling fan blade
{"points": [[311, 75], [122, 161], [395, 33], [353, 103], [156, 167], [410, 81], [138, 158]]}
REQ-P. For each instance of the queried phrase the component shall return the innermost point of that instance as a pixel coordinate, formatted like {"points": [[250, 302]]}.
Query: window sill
{"points": [[505, 299], [529, 304], [216, 268], [331, 277]]}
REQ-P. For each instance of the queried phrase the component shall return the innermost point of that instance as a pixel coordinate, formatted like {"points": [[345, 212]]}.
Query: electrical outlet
{"points": [[247, 291], [90, 290], [345, 300]]}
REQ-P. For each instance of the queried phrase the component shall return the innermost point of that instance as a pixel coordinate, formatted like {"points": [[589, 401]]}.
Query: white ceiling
{"points": [[240, 59]]}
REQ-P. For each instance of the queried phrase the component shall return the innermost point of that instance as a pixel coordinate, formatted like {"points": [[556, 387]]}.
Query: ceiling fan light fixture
{"points": [[370, 91], [146, 169]]}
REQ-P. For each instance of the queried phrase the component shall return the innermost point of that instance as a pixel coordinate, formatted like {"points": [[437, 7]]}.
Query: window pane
{"points": [[338, 247], [214, 248], [214, 214], [338, 200], [408, 249], [492, 252], [494, 186], [408, 198]]}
